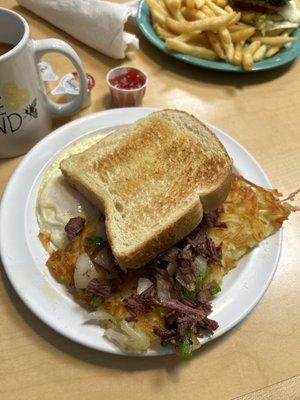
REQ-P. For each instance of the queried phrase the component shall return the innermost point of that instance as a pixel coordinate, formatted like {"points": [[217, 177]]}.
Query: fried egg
{"points": [[57, 201]]}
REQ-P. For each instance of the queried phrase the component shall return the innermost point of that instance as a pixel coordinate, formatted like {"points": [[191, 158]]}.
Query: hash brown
{"points": [[251, 214]]}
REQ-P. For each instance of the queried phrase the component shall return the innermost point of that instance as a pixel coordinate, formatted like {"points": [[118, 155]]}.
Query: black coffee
{"points": [[5, 47]]}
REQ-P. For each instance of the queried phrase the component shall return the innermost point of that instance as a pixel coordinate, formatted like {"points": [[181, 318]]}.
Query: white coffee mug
{"points": [[25, 110]]}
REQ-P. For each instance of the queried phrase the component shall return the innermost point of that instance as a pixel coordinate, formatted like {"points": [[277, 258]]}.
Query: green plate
{"points": [[286, 55]]}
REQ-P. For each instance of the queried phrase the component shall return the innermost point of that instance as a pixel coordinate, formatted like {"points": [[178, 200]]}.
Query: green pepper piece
{"points": [[188, 294], [96, 301], [191, 295], [198, 283], [214, 289], [93, 241], [185, 347]]}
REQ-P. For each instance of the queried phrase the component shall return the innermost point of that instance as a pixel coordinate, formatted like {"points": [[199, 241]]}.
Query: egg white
{"points": [[57, 202]]}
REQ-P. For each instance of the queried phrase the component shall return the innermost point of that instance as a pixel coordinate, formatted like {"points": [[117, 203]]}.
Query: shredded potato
{"points": [[46, 242], [251, 214], [62, 261]]}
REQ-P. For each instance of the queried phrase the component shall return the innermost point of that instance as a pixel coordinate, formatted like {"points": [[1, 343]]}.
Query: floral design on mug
{"points": [[14, 96], [31, 109]]}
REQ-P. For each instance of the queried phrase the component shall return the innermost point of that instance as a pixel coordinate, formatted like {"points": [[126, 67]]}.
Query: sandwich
{"points": [[156, 219], [271, 17]]}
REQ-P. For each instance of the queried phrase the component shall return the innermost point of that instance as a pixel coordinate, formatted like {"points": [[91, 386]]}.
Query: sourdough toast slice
{"points": [[152, 180]]}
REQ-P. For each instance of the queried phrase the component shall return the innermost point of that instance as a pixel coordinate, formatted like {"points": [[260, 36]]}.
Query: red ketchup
{"points": [[132, 79]]}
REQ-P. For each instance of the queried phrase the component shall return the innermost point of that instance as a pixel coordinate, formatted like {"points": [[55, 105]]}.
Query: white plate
{"points": [[24, 258]]}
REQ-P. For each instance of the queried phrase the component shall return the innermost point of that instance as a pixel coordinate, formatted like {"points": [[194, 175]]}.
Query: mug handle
{"points": [[43, 46]]}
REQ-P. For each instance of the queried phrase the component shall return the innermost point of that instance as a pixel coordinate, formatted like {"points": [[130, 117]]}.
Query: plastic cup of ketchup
{"points": [[127, 86]]}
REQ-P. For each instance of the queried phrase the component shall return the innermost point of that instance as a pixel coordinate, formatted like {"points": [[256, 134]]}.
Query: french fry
{"points": [[260, 52], [200, 14], [163, 33], [225, 36], [211, 9], [216, 9], [173, 7], [162, 5], [174, 3], [235, 19], [238, 54], [228, 9], [194, 4], [215, 44], [192, 14], [247, 60], [274, 41], [186, 37], [223, 32], [175, 26], [199, 4], [238, 27], [207, 11], [158, 17], [245, 47], [192, 50], [210, 23], [190, 3], [184, 11], [156, 6], [272, 51], [242, 35], [275, 49], [179, 16], [221, 3], [227, 43]]}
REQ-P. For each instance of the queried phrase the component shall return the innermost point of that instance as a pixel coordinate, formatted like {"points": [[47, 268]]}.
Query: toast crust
{"points": [[152, 180], [164, 239]]}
